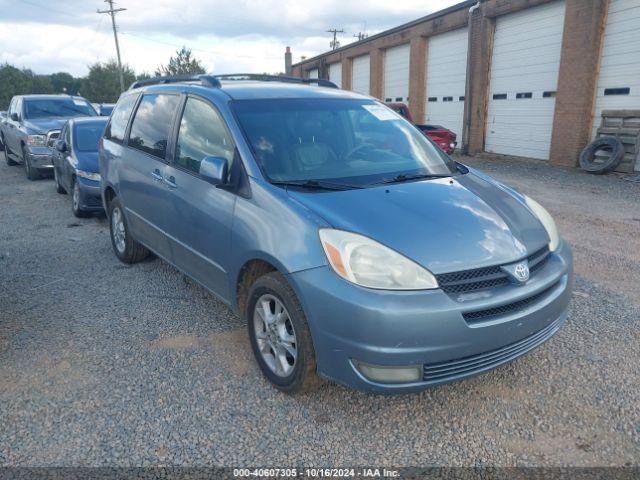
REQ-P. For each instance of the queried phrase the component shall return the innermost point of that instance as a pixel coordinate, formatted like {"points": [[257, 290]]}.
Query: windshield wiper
{"points": [[315, 184], [406, 178]]}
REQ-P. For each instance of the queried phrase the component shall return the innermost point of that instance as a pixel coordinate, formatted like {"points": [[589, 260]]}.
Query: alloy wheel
{"points": [[275, 335], [76, 197], [27, 165], [117, 229]]}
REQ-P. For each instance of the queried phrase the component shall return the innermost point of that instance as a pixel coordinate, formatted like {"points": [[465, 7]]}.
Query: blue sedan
{"points": [[75, 164]]}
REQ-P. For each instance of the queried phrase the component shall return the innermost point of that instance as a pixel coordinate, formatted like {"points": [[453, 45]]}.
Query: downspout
{"points": [[467, 88]]}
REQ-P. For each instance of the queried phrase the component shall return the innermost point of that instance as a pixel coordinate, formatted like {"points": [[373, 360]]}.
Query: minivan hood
{"points": [[43, 125], [446, 224]]}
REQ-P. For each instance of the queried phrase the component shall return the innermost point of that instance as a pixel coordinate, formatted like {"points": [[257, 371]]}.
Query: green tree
{"points": [[182, 64], [102, 84], [143, 76], [13, 81], [41, 84], [64, 82]]}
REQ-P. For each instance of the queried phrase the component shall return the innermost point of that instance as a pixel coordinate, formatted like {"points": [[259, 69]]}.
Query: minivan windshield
{"points": [[359, 142], [57, 107]]}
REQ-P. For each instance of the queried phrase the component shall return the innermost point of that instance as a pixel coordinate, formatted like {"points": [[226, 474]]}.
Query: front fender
{"points": [[272, 227]]}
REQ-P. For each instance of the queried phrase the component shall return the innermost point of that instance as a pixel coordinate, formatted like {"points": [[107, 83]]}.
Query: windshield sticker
{"points": [[381, 112]]}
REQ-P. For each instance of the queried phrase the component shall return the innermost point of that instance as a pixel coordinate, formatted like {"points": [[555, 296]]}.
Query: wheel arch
{"points": [[108, 194], [250, 270]]}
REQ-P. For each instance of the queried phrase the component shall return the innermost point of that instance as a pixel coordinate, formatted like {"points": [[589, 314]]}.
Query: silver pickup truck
{"points": [[32, 123]]}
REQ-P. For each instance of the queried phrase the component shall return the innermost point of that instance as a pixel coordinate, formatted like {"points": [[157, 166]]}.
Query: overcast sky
{"points": [[48, 36]]}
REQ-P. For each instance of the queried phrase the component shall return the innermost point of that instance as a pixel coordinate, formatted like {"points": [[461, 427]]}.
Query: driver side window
{"points": [[202, 133]]}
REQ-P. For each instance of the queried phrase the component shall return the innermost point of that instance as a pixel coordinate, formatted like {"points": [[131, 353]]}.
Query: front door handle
{"points": [[171, 182], [157, 175]]}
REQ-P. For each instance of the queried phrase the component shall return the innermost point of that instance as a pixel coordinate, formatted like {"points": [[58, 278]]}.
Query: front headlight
{"points": [[88, 175], [547, 222], [367, 263], [36, 140]]}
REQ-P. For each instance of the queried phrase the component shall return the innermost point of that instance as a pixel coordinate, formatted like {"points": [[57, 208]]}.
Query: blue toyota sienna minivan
{"points": [[355, 249]]}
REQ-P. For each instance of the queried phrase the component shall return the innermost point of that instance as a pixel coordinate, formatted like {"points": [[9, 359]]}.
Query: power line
{"points": [[112, 12], [211, 52], [46, 7]]}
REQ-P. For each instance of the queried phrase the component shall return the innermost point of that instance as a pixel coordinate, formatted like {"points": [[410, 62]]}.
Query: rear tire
{"points": [[31, 172], [269, 294], [125, 247], [7, 152], [75, 201]]}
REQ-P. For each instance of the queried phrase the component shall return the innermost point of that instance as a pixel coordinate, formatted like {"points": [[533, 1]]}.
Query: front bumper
{"points": [[351, 324], [90, 195], [40, 157]]}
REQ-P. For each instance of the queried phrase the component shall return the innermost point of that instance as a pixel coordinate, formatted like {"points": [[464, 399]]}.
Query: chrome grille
{"points": [[488, 277], [452, 369]]}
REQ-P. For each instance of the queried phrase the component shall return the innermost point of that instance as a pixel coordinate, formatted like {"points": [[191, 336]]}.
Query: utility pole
{"points": [[334, 43], [112, 12], [363, 34]]}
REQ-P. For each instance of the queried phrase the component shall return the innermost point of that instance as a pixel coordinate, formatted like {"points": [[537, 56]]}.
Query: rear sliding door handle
{"points": [[157, 175], [171, 182]]}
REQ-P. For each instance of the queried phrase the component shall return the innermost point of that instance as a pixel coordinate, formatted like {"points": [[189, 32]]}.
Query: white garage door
{"points": [[313, 73], [524, 79], [360, 74], [446, 76], [396, 74], [335, 73], [619, 78]]}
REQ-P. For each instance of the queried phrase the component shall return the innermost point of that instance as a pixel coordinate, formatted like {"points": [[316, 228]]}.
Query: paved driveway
{"points": [[106, 364]]}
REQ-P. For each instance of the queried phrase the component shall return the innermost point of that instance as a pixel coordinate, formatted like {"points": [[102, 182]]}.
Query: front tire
{"points": [[75, 201], [31, 172], [280, 336], [59, 188], [125, 247]]}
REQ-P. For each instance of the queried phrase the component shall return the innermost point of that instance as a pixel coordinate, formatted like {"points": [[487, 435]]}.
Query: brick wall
{"points": [[577, 79], [481, 33], [417, 77]]}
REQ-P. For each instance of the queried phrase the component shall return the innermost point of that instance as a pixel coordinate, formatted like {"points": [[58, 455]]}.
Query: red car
{"points": [[442, 137]]}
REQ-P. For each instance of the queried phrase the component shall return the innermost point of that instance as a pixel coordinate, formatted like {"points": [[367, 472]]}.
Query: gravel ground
{"points": [[102, 364]]}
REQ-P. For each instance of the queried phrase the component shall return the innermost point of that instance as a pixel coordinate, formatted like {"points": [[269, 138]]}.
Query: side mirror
{"points": [[14, 117], [214, 170], [61, 146]]}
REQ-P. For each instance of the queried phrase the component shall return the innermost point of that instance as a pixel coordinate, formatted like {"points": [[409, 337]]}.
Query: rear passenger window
{"points": [[202, 133], [119, 118], [152, 123]]}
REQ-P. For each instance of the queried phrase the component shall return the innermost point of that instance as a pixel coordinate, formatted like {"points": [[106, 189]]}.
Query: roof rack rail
{"points": [[264, 77], [205, 80]]}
